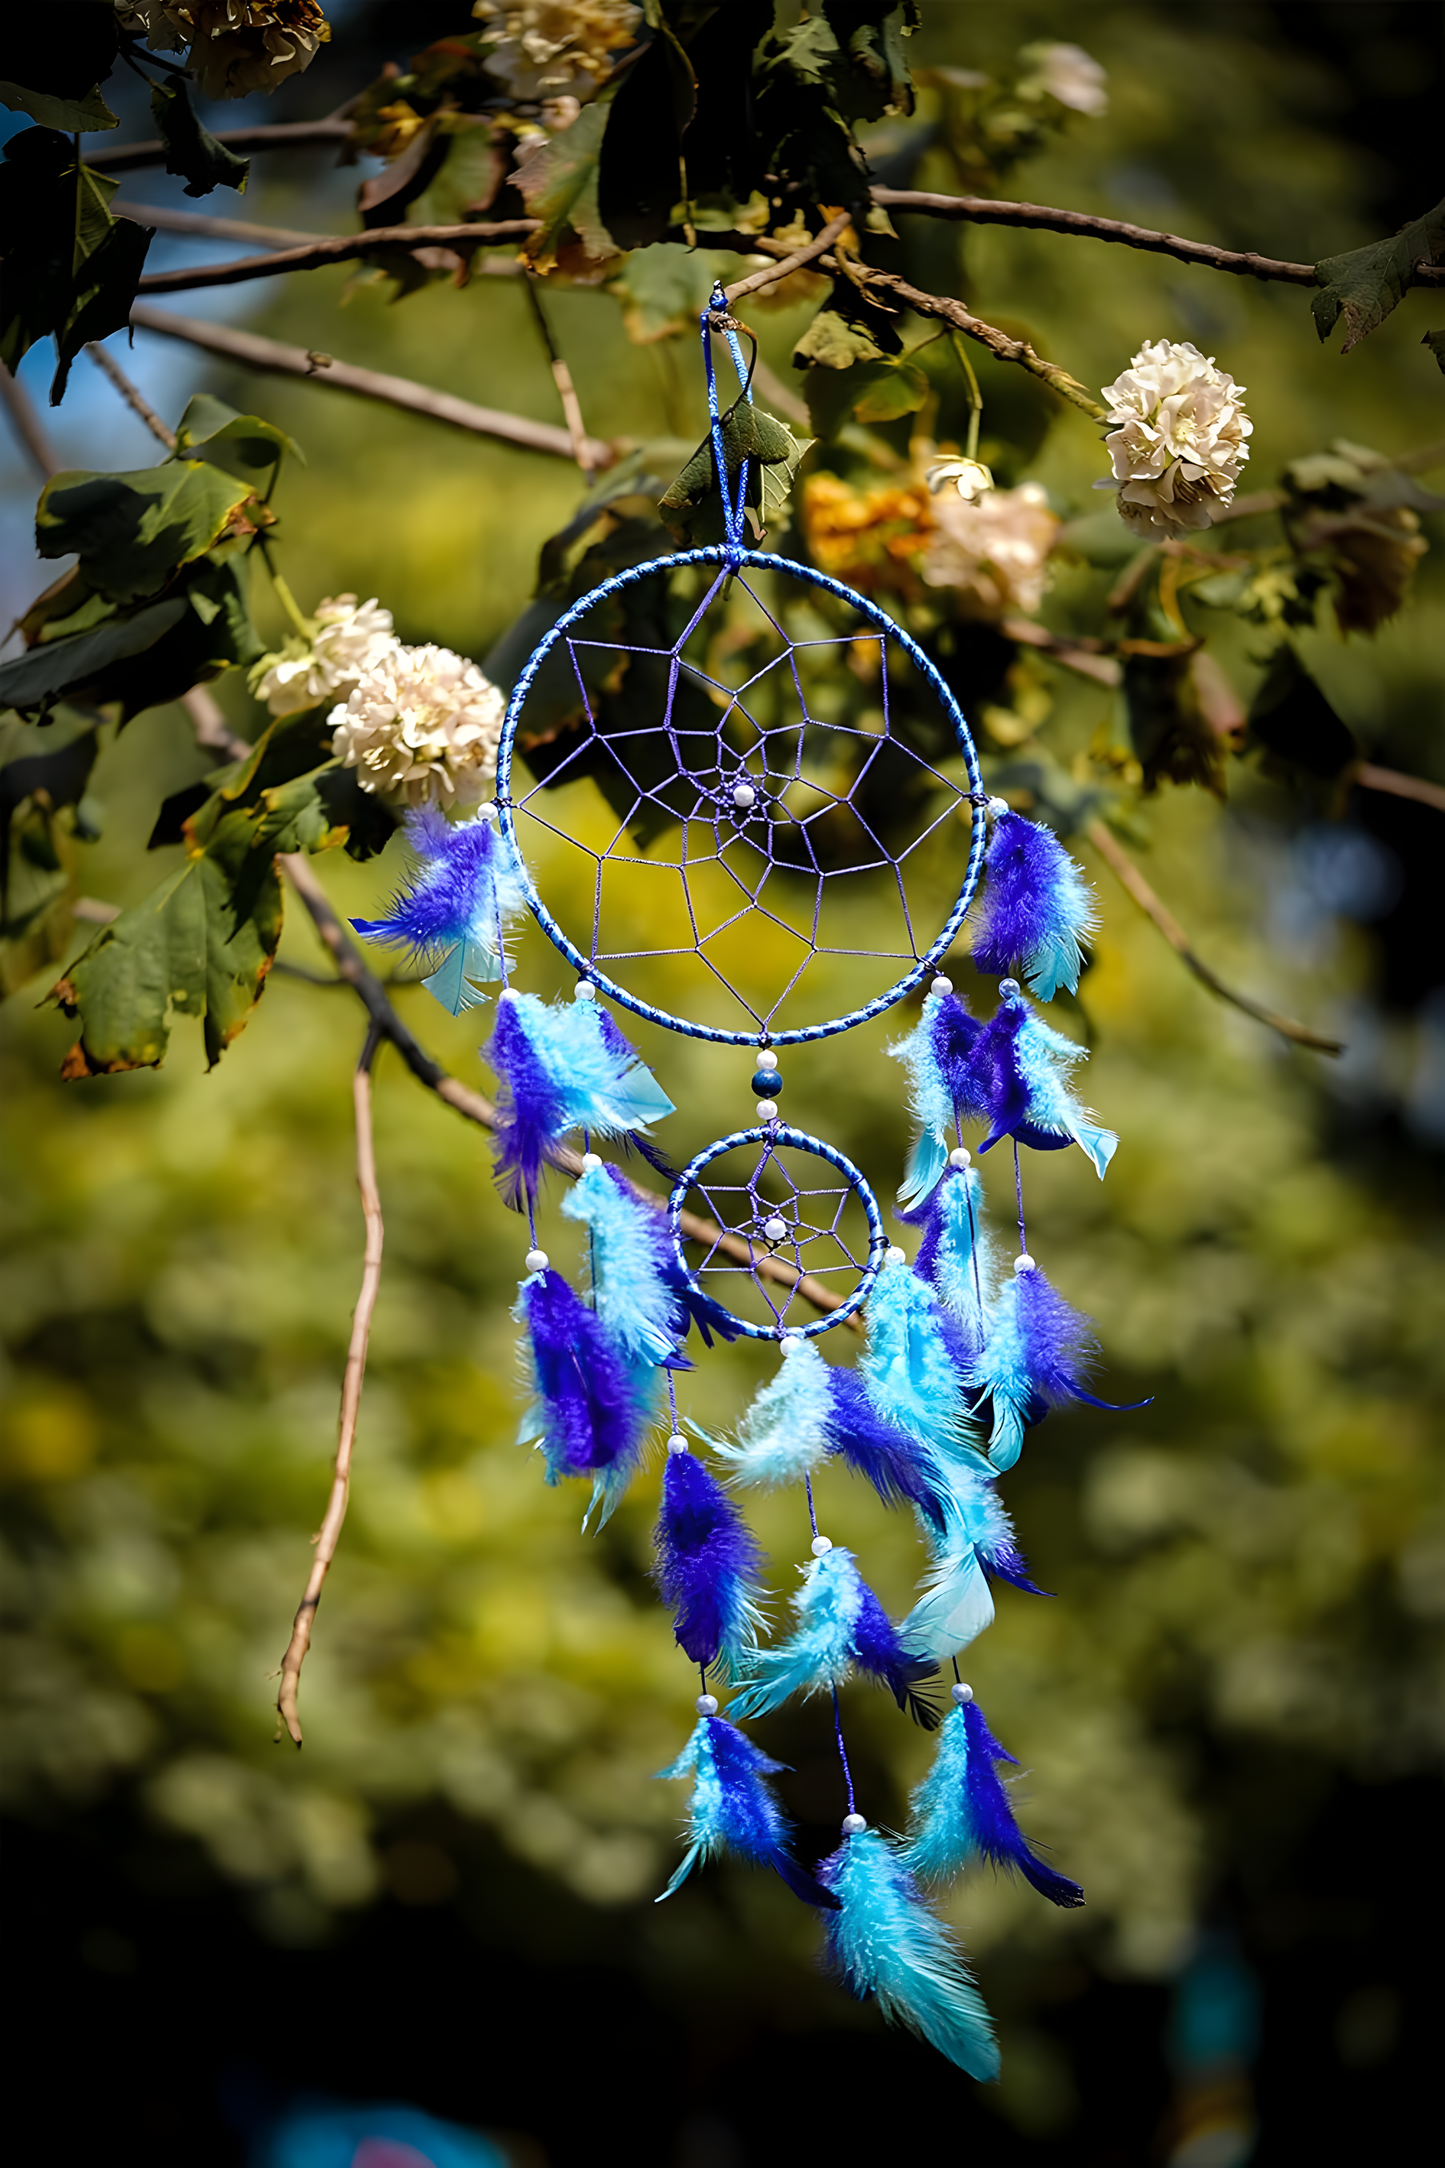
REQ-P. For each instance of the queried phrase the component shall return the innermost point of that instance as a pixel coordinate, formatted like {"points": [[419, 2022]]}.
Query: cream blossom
{"points": [[351, 638], [993, 552], [1180, 443], [970, 477], [547, 49], [236, 46], [1072, 76], [421, 728]]}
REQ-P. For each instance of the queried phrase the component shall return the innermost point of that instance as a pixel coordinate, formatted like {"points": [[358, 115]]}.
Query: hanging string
{"points": [[733, 514], [843, 1752], [1019, 1196]]}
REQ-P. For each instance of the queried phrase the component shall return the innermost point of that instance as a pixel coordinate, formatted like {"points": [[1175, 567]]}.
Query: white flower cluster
{"points": [[235, 46], [422, 727], [544, 49], [351, 638], [1180, 443], [993, 552]]}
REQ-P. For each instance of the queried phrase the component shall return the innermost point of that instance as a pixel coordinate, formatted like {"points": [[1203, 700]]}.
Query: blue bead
{"points": [[767, 1084]]}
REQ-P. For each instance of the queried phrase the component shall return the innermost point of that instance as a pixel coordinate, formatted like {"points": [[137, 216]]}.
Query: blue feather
{"points": [[590, 1412], [933, 1054], [561, 1068], [841, 1626], [630, 1254], [888, 1944], [957, 1603], [1036, 910], [957, 1254], [899, 1465], [707, 1566], [456, 906], [733, 1809], [786, 1430], [1036, 1355], [961, 1812], [914, 1363]]}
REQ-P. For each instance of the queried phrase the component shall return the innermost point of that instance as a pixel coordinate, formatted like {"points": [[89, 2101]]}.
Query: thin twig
{"points": [[1134, 883], [1082, 660], [275, 136], [254, 352], [333, 248], [999, 343], [1368, 777], [210, 725], [562, 378], [130, 394], [208, 227], [351, 967], [27, 424], [774, 271], [330, 1531]]}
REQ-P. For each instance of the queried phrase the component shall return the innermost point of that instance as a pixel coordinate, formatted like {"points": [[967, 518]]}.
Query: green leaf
{"points": [[33, 682], [201, 160], [558, 184], [847, 329], [241, 444], [748, 433], [1435, 340], [1291, 718], [133, 532], [869, 391], [1364, 285], [200, 945], [69, 116], [665, 289]]}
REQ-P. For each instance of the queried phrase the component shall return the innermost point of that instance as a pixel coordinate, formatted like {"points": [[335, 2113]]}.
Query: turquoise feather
{"points": [[785, 1431], [909, 1368], [1002, 1373], [1045, 1058], [628, 1292], [820, 1653], [888, 1944]]}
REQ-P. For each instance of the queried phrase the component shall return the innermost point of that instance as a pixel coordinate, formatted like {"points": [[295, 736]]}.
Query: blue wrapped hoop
{"points": [[732, 559], [773, 1136]]}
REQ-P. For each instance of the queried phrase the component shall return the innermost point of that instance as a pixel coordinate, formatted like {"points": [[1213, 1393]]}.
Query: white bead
{"points": [[743, 796], [775, 1230], [767, 1110], [537, 1260], [821, 1544], [996, 808], [854, 1824], [487, 812], [790, 1343], [706, 1705], [509, 993], [960, 1156], [1009, 988], [961, 1693], [584, 990], [895, 1256], [941, 985], [1024, 1263], [590, 1162], [677, 1443]]}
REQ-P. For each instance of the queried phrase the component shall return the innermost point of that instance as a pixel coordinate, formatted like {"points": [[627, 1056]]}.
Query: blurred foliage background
{"points": [[1231, 1710]]}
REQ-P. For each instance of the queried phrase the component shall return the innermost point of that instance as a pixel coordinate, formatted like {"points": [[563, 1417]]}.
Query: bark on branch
{"points": [[338, 248], [277, 136], [254, 352]]}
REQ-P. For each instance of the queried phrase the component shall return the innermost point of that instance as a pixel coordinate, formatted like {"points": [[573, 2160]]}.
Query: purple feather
{"points": [[1061, 1347], [587, 1416], [1006, 1562], [455, 907], [707, 1564], [878, 1651], [733, 1809], [880, 1450], [1036, 908], [964, 1813], [989, 1084], [562, 1066], [531, 1105]]}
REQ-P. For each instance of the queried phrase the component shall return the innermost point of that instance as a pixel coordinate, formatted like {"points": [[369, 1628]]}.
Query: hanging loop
{"points": [[715, 317]]}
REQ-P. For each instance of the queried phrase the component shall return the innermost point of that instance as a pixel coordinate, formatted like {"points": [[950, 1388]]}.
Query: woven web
{"points": [[851, 846], [824, 1230]]}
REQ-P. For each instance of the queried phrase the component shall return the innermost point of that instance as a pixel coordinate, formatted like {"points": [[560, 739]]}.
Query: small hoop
{"points": [[774, 1136], [732, 560]]}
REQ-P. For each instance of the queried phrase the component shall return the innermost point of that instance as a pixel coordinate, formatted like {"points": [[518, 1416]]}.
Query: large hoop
{"points": [[773, 1137], [733, 559]]}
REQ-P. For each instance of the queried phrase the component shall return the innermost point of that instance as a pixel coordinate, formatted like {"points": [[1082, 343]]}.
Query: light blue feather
{"points": [[450, 983], [1045, 1058], [909, 1369], [957, 1603], [965, 1262], [785, 1431], [888, 1944], [707, 1808], [931, 1104], [606, 1092], [628, 1291], [820, 1653], [1058, 957], [1002, 1372]]}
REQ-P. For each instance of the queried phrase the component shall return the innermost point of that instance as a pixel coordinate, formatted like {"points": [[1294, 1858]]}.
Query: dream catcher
{"points": [[734, 814]]}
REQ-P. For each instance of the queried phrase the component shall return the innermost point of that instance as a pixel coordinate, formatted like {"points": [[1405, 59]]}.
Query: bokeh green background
{"points": [[1248, 1576]]}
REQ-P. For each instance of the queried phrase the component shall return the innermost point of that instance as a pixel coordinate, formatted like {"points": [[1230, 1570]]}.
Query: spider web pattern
{"points": [[785, 1207], [735, 908]]}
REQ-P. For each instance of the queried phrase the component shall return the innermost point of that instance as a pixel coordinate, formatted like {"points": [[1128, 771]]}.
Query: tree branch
{"points": [[254, 352], [112, 368], [1368, 777], [208, 227], [330, 1531], [998, 342], [275, 136], [27, 424], [334, 248], [1135, 885], [780, 270], [351, 967]]}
